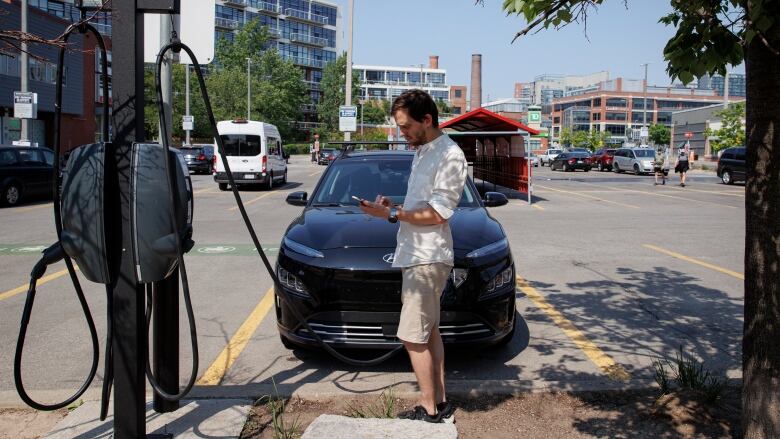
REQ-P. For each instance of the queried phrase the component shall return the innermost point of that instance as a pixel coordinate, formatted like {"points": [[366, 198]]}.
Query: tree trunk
{"points": [[761, 341]]}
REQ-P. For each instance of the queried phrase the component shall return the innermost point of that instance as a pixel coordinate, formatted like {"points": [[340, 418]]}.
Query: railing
{"points": [[274, 32], [311, 85], [307, 16], [309, 39], [307, 62], [308, 108], [241, 3], [308, 125], [225, 23], [269, 7]]}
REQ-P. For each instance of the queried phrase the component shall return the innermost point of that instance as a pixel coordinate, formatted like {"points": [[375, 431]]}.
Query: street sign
{"points": [[534, 116], [688, 135], [643, 133], [196, 30], [348, 118], [25, 105], [188, 123]]}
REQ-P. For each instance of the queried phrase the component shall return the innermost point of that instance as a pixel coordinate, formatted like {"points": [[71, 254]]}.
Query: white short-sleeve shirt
{"points": [[439, 171]]}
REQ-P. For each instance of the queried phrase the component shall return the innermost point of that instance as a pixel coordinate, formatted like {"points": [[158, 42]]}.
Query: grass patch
{"points": [[283, 428], [688, 373], [383, 407]]}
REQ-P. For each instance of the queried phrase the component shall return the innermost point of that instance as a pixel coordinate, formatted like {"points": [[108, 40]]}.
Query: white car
{"points": [[636, 160], [534, 159], [548, 156]]}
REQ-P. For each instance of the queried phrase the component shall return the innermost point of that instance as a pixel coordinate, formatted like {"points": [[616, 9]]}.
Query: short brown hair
{"points": [[417, 103]]}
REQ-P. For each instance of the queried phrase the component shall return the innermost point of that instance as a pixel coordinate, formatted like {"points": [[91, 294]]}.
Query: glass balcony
{"points": [[225, 23], [268, 7], [309, 39], [239, 3], [306, 16], [307, 62], [274, 32]]}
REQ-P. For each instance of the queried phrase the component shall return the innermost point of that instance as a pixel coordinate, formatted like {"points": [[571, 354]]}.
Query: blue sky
{"points": [[406, 32]]}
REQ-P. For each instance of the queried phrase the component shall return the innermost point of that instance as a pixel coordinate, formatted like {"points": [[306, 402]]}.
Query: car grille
{"points": [[374, 333]]}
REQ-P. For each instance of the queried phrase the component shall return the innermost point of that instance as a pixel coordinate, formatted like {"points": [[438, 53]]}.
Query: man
{"points": [[424, 250], [682, 165], [661, 161]]}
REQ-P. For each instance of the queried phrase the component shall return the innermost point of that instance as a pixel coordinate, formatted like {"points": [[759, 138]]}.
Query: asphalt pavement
{"points": [[613, 273]]}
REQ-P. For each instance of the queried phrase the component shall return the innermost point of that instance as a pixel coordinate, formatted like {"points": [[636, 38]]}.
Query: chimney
{"points": [[433, 61], [476, 81]]}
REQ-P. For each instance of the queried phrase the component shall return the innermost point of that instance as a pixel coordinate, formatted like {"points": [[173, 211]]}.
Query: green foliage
{"points": [[443, 107], [659, 134], [384, 407], [374, 113], [249, 42], [296, 148], [596, 139], [332, 86], [574, 138], [282, 427], [732, 128], [688, 373]]}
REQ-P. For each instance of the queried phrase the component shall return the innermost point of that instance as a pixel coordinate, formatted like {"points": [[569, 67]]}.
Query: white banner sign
{"points": [[188, 123], [25, 105], [348, 118]]}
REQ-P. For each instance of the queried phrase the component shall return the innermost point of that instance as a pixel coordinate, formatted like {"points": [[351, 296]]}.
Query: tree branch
{"points": [[547, 14]]}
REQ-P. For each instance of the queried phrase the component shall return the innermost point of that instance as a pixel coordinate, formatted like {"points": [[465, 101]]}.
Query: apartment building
{"points": [[545, 88]]}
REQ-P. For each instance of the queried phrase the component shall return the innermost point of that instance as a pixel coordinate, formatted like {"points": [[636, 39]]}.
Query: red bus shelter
{"points": [[495, 146]]}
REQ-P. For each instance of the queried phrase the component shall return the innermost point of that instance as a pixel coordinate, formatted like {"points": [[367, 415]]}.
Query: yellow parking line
{"points": [[588, 196], [203, 191], [216, 372], [726, 193], [611, 368], [695, 261], [247, 203], [661, 195], [23, 288], [537, 207]]}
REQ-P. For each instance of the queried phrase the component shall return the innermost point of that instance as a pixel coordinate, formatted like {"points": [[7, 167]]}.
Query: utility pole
{"points": [[361, 122], [726, 90], [165, 75], [248, 88], [348, 91], [25, 135], [644, 103], [187, 98]]}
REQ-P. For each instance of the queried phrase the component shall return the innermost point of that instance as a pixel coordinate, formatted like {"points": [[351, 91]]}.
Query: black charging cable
{"points": [[178, 46], [56, 253]]}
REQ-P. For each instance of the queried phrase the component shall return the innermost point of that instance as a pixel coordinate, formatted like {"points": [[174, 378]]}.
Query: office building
{"points": [[545, 88], [618, 107]]}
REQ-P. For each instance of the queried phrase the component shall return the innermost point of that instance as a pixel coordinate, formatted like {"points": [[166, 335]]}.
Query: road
{"points": [[613, 273]]}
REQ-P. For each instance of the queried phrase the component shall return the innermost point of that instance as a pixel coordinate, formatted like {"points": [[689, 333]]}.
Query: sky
{"points": [[406, 32]]}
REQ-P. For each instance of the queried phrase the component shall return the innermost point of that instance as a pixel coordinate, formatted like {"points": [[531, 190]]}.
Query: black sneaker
{"points": [[446, 410], [420, 414]]}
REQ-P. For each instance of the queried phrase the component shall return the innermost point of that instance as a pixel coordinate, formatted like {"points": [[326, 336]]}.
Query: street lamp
{"points": [[248, 88]]}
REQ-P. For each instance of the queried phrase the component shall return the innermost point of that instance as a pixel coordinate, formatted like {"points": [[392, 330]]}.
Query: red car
{"points": [[602, 159]]}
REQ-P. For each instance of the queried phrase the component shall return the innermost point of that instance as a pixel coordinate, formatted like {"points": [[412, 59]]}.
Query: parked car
{"points": [[731, 165], [571, 161], [548, 156], [636, 160], [602, 159], [585, 150], [25, 172], [336, 262], [199, 158], [534, 159], [254, 153], [327, 155]]}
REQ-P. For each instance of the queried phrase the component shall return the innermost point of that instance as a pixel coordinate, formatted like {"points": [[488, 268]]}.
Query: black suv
{"points": [[24, 172], [199, 158], [335, 262], [731, 165]]}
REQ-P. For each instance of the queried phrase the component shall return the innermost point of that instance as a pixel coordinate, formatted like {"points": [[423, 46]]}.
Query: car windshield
{"points": [[367, 177], [578, 154], [241, 144], [554, 151], [644, 152]]}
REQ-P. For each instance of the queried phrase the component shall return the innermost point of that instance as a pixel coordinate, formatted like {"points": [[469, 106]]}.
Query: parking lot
{"points": [[613, 273]]}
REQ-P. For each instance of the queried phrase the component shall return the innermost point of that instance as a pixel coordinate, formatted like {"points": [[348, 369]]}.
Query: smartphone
{"points": [[359, 200]]}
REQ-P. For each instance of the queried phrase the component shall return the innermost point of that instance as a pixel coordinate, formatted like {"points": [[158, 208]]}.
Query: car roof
{"points": [[378, 153]]}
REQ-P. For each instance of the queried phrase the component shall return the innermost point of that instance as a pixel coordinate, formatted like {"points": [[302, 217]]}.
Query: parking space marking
{"points": [[537, 207], [224, 361], [617, 189], [588, 196], [247, 203], [695, 261], [726, 193], [312, 175], [29, 208], [604, 362], [203, 191], [23, 288]]}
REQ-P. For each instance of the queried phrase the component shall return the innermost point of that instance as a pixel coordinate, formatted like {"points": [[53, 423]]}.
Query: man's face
{"points": [[413, 131]]}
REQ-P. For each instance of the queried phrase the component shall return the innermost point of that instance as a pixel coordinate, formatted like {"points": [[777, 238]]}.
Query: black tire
{"points": [[587, 169], [552, 168], [284, 180], [616, 168], [600, 167], [565, 167], [636, 169], [223, 186], [726, 177], [269, 185], [12, 195]]}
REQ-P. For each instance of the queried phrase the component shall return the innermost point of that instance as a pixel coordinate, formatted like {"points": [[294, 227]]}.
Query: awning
{"points": [[485, 120]]}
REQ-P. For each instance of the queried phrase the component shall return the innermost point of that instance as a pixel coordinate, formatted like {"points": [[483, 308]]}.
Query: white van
{"points": [[254, 153]]}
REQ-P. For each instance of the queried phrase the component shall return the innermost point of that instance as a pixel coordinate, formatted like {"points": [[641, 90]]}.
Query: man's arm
{"points": [[425, 216]]}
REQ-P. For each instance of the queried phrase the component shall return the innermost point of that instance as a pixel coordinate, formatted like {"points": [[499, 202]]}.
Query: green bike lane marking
{"points": [[198, 250]]}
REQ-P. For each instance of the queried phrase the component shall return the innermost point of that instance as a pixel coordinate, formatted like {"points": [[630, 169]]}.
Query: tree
{"points": [[596, 139], [711, 34], [659, 134], [732, 128], [334, 78], [374, 113]]}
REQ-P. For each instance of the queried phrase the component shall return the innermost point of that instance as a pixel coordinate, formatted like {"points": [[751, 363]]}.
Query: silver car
{"points": [[636, 160]]}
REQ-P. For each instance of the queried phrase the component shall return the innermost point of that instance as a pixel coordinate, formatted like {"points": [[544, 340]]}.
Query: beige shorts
{"points": [[421, 293]]}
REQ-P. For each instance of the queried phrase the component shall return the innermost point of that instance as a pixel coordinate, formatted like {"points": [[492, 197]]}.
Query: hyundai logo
{"points": [[389, 258]]}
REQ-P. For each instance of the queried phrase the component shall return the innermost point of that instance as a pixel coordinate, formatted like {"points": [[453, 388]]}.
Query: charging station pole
{"points": [[129, 332]]}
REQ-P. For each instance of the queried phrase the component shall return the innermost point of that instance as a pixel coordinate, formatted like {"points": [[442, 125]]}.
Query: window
{"points": [[728, 155], [615, 116], [374, 76], [241, 145], [7, 158], [616, 130], [639, 117], [617, 102], [458, 93], [31, 156], [272, 145], [396, 76], [740, 153], [597, 102], [48, 156], [596, 116]]}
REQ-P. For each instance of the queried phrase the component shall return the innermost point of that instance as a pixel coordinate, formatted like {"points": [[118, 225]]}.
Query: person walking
{"points": [[682, 165], [661, 163], [424, 250]]}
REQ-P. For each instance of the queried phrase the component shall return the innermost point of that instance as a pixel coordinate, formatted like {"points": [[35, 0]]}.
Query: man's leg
{"points": [[424, 370], [436, 347]]}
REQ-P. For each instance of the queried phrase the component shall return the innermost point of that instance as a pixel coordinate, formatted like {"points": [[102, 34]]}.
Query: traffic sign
{"points": [[688, 135], [348, 118], [643, 133], [25, 105], [196, 30], [188, 123]]}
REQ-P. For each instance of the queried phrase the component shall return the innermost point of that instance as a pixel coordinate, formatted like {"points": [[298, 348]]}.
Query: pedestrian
{"points": [[682, 164], [424, 250], [660, 163]]}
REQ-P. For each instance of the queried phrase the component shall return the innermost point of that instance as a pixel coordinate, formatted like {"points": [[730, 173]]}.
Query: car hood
{"points": [[325, 228]]}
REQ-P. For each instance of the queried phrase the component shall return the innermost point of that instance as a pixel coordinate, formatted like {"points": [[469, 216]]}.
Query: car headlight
{"points": [[459, 276], [302, 249], [496, 247], [503, 278], [292, 283]]}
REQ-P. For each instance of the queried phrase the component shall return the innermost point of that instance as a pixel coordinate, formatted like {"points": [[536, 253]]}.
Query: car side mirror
{"points": [[299, 198], [495, 199]]}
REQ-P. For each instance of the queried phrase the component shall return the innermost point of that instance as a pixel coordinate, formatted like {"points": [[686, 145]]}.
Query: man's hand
{"points": [[375, 209], [383, 201]]}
